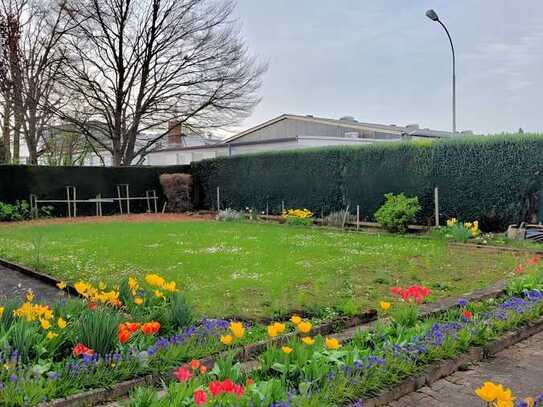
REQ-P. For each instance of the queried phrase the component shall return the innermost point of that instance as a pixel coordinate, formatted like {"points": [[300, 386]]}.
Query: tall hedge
{"points": [[17, 182], [497, 180]]}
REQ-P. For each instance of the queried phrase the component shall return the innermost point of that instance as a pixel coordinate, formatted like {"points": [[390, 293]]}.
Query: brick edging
{"points": [[447, 367]]}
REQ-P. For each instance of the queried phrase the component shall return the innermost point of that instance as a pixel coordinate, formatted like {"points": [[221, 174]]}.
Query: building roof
{"points": [[348, 122]]}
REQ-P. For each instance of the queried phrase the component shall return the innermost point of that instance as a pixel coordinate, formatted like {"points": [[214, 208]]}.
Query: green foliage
{"points": [[21, 211], [98, 330], [25, 337], [493, 179], [299, 221], [177, 312], [397, 212]]}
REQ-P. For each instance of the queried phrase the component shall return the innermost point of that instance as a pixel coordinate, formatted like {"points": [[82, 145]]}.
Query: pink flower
{"points": [[200, 397], [183, 374]]}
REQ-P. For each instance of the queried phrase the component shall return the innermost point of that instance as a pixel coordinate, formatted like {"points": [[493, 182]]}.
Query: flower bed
{"points": [[315, 370]]}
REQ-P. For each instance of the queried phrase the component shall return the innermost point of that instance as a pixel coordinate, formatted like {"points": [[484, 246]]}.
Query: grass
{"points": [[254, 270]]}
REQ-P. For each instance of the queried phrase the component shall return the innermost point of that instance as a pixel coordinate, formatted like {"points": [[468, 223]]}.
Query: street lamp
{"points": [[432, 15]]}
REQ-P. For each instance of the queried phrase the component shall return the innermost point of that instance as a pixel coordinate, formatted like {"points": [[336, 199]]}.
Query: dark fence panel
{"points": [[17, 182]]}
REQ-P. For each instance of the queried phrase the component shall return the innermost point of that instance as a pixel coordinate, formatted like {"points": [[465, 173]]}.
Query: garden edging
{"points": [[447, 367]]}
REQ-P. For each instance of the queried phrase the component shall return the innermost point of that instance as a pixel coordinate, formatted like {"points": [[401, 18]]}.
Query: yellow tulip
{"points": [[385, 305], [237, 329], [286, 349], [304, 327], [488, 392], [332, 343], [308, 340], [295, 319], [226, 339], [272, 332], [61, 323], [279, 328]]}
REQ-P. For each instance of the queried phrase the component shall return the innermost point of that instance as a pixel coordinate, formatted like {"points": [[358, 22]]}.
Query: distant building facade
{"points": [[288, 132]]}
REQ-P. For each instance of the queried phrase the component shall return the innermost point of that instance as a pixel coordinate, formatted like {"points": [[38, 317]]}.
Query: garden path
{"points": [[519, 367], [14, 284]]}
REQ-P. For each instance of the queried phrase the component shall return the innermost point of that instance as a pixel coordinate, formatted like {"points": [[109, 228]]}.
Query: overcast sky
{"points": [[385, 62]]}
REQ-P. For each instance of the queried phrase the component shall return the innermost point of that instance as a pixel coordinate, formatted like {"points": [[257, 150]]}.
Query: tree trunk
{"points": [[5, 153]]}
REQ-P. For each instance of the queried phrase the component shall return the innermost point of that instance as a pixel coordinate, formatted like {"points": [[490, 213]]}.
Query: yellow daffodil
{"points": [[332, 343], [61, 322], [81, 288], [272, 332], [138, 300], [51, 335], [133, 285], [226, 339], [295, 319], [61, 285], [304, 327], [30, 295], [504, 395], [2, 311], [171, 286], [385, 305], [279, 327], [504, 403], [45, 324], [308, 340], [451, 222], [154, 280], [159, 294], [237, 329], [286, 349], [488, 392]]}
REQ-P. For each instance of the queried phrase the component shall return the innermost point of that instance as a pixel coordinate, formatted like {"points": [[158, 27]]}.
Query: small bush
{"points": [[398, 212], [458, 231], [230, 215], [21, 211]]}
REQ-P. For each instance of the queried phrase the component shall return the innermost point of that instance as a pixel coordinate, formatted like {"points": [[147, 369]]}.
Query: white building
{"points": [[288, 132]]}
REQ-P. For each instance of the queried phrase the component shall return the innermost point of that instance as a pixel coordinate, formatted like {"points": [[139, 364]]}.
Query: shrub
{"points": [[21, 211], [458, 231], [398, 212], [230, 215]]}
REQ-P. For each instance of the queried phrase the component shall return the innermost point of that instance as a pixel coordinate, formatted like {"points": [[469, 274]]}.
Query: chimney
{"points": [[174, 132]]}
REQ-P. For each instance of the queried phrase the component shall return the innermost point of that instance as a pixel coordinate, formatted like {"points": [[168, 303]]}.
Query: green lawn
{"points": [[253, 270]]}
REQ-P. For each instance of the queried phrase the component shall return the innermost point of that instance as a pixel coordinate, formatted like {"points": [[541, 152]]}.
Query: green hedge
{"points": [[496, 180], [17, 182]]}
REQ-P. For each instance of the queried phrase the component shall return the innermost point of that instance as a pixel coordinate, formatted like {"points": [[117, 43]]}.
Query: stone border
{"points": [[447, 367], [474, 246], [247, 353]]}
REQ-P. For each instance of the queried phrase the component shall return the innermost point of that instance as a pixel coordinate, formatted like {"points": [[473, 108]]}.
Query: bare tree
{"points": [[141, 63], [35, 56]]}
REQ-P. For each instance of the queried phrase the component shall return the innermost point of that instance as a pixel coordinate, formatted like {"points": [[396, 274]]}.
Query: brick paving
{"points": [[519, 367], [14, 285]]}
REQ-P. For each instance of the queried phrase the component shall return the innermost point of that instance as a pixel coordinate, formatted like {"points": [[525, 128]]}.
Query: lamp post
{"points": [[432, 15]]}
